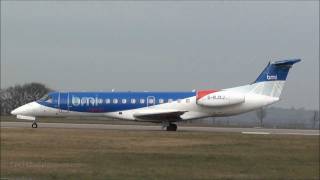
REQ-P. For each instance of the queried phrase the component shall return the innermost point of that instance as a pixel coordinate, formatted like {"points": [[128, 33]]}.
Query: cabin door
{"points": [[64, 102], [151, 101]]}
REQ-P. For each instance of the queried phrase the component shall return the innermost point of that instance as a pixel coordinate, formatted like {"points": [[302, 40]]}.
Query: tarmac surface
{"points": [[261, 131]]}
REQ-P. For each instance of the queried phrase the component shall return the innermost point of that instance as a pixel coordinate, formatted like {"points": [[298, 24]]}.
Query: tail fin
{"points": [[271, 81]]}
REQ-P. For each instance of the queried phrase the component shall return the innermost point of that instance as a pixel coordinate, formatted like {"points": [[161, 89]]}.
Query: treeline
{"points": [[270, 117], [18, 95]]}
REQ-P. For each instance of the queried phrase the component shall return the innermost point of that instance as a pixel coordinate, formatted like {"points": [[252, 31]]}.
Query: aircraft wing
{"points": [[159, 115]]}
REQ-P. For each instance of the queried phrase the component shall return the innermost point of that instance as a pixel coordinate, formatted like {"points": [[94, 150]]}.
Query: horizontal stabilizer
{"points": [[286, 62]]}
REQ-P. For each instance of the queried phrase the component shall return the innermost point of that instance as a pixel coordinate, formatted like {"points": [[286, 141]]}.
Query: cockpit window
{"points": [[46, 98]]}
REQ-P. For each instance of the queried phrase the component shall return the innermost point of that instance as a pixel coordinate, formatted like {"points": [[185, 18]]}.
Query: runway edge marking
{"points": [[255, 133]]}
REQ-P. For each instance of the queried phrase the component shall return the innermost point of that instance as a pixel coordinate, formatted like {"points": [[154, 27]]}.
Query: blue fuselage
{"points": [[109, 101]]}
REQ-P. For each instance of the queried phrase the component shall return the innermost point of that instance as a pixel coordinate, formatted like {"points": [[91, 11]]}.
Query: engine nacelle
{"points": [[220, 98]]}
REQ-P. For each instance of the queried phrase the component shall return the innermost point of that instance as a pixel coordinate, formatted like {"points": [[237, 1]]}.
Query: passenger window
{"points": [[133, 101], [170, 100], [141, 101], [124, 101], [115, 101], [107, 101], [161, 101]]}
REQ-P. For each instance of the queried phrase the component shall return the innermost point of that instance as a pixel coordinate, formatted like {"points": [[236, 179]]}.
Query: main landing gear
{"points": [[34, 124], [172, 127], [169, 126]]}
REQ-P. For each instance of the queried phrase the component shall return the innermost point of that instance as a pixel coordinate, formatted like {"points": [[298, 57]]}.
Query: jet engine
{"points": [[220, 98]]}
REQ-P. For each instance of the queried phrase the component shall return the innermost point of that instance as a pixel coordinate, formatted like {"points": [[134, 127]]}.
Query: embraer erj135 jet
{"points": [[163, 107]]}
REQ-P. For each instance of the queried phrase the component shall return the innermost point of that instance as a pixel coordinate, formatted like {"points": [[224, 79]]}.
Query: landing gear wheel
{"points": [[34, 125], [172, 127]]}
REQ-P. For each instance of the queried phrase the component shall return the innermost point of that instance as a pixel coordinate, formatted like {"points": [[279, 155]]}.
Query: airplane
{"points": [[163, 107]]}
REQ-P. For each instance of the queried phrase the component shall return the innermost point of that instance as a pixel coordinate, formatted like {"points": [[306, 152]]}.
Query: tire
{"points": [[175, 127], [34, 125], [172, 127]]}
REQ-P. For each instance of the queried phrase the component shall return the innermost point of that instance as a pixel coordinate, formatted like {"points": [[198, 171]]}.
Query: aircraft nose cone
{"points": [[14, 112], [27, 109], [17, 111]]}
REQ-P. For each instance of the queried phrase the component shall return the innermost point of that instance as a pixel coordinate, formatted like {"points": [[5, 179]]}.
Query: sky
{"points": [[160, 46]]}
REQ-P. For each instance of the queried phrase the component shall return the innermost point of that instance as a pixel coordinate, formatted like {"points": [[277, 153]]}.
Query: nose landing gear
{"points": [[34, 124]]}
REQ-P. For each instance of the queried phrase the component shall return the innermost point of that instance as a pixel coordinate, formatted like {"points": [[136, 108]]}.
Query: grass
{"points": [[48, 153], [97, 120]]}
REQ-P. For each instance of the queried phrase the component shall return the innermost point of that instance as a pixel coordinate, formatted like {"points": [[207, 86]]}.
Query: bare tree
{"points": [[18, 95], [315, 119], [261, 114]]}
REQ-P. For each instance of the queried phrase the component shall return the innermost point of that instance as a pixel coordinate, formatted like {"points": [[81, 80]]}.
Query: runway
{"points": [[260, 131]]}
